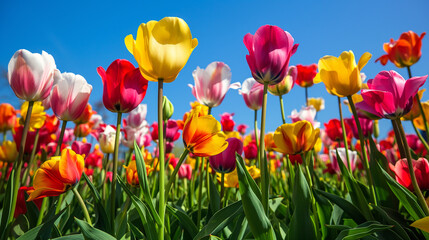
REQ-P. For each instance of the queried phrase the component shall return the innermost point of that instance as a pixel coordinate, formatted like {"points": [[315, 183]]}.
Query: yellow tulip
{"points": [[296, 137], [8, 152], [231, 179], [162, 48], [38, 116], [341, 75], [317, 103], [420, 124], [415, 110]]}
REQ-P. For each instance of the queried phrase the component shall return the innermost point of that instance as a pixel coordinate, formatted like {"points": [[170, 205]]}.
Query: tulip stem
{"points": [[398, 139], [417, 190], [60, 140], [262, 162], [200, 190], [222, 190], [33, 153], [19, 163], [282, 109], [161, 159], [364, 154], [420, 104], [306, 96], [82, 205], [343, 127], [256, 134], [175, 171], [114, 173], [209, 111], [422, 139], [42, 211]]}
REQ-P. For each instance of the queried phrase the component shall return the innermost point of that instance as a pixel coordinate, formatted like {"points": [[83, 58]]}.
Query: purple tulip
{"points": [[224, 162]]}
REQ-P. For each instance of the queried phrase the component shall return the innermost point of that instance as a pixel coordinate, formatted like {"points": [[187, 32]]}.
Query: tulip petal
{"points": [[383, 102], [422, 224], [129, 43], [71, 166], [411, 87], [364, 60]]}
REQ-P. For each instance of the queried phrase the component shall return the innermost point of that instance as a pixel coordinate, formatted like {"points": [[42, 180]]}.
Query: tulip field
{"points": [[70, 175]]}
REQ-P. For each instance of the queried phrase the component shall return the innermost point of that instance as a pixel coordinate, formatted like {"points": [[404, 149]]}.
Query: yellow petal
{"points": [[129, 43], [422, 224], [364, 60], [317, 79], [348, 60]]}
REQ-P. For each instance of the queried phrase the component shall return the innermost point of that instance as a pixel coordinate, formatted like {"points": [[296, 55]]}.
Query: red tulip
{"points": [[250, 150], [335, 132], [227, 122], [421, 168], [124, 86], [306, 75]]}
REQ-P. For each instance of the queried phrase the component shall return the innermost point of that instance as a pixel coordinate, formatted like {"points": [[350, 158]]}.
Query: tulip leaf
{"points": [[71, 237], [220, 219], [91, 233], [214, 197], [102, 219], [184, 220], [144, 186], [362, 230], [301, 225], [386, 219], [355, 191], [240, 228], [251, 181], [258, 221], [141, 208], [407, 198], [7, 206], [266, 181]]}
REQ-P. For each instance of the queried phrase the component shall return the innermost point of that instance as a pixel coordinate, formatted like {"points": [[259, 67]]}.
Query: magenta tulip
{"points": [[70, 95], [123, 86], [253, 93], [224, 162], [269, 52], [31, 75], [389, 95], [81, 148], [365, 123], [212, 83]]}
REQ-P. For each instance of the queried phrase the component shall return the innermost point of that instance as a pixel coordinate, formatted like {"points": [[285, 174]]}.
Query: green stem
{"points": [[310, 184], [60, 140], [282, 109], [210, 111], [82, 205], [416, 187], [175, 171], [161, 160], [306, 96], [365, 157], [398, 139], [256, 135], [114, 172], [420, 104], [200, 190], [222, 189], [59, 203], [263, 164], [422, 139], [343, 127], [19, 163], [33, 153], [42, 210]]}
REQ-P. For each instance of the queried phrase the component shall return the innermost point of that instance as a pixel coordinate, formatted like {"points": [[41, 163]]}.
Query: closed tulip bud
{"points": [[7, 117], [295, 138], [81, 148], [31, 75], [185, 171], [8, 152], [306, 75], [107, 139], [334, 130], [131, 173], [37, 117], [286, 84], [253, 93], [224, 162], [167, 109], [376, 129]]}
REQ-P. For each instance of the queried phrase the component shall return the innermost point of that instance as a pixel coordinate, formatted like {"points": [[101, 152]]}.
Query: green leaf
{"points": [[44, 230], [102, 221], [91, 233], [301, 225], [136, 232], [407, 198], [386, 219], [240, 228], [184, 220], [251, 181], [220, 219], [71, 237], [142, 174], [265, 174], [362, 230], [214, 199], [7, 206]]}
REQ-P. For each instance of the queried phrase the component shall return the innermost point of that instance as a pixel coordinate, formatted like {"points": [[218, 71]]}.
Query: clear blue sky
{"points": [[82, 35]]}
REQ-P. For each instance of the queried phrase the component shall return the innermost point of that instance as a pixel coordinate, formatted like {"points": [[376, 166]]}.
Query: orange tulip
{"points": [[269, 141], [295, 138], [57, 175], [131, 173], [7, 117], [8, 151], [405, 51], [202, 135]]}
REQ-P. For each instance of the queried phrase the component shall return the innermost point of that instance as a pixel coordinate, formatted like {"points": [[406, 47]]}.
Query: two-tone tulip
{"points": [[253, 93], [296, 137]]}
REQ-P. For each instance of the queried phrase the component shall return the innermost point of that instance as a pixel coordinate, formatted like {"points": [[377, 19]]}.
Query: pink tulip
{"points": [[253, 93], [81, 148], [136, 118], [139, 135], [241, 128], [389, 95], [212, 83], [342, 153], [185, 171], [31, 75], [224, 162], [70, 95], [365, 123], [421, 168], [269, 52], [227, 122], [306, 113]]}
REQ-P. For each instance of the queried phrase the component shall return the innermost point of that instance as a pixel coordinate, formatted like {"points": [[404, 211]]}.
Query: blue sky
{"points": [[82, 35]]}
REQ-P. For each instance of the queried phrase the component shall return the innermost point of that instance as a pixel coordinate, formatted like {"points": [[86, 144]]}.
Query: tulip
{"points": [[8, 152], [415, 109], [171, 131], [107, 139], [419, 122], [185, 171], [405, 51], [31, 74], [317, 103], [415, 144], [253, 93], [7, 117], [136, 118], [162, 48], [85, 116], [202, 135], [389, 95], [342, 153], [296, 137], [81, 148], [341, 75], [38, 116], [241, 128], [57, 175], [231, 179], [212, 83], [70, 95], [251, 150], [421, 169], [286, 84], [224, 162], [123, 86], [306, 113], [366, 125], [167, 109], [227, 122], [131, 173], [140, 135], [306, 75], [269, 142], [95, 158], [335, 132], [270, 50]]}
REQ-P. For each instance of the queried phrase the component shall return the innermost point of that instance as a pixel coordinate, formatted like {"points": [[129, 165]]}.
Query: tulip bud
{"points": [[107, 139], [8, 152], [167, 108], [286, 84], [376, 129]]}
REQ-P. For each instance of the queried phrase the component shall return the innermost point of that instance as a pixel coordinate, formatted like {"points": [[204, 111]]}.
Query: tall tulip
{"points": [[212, 83], [421, 167]]}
